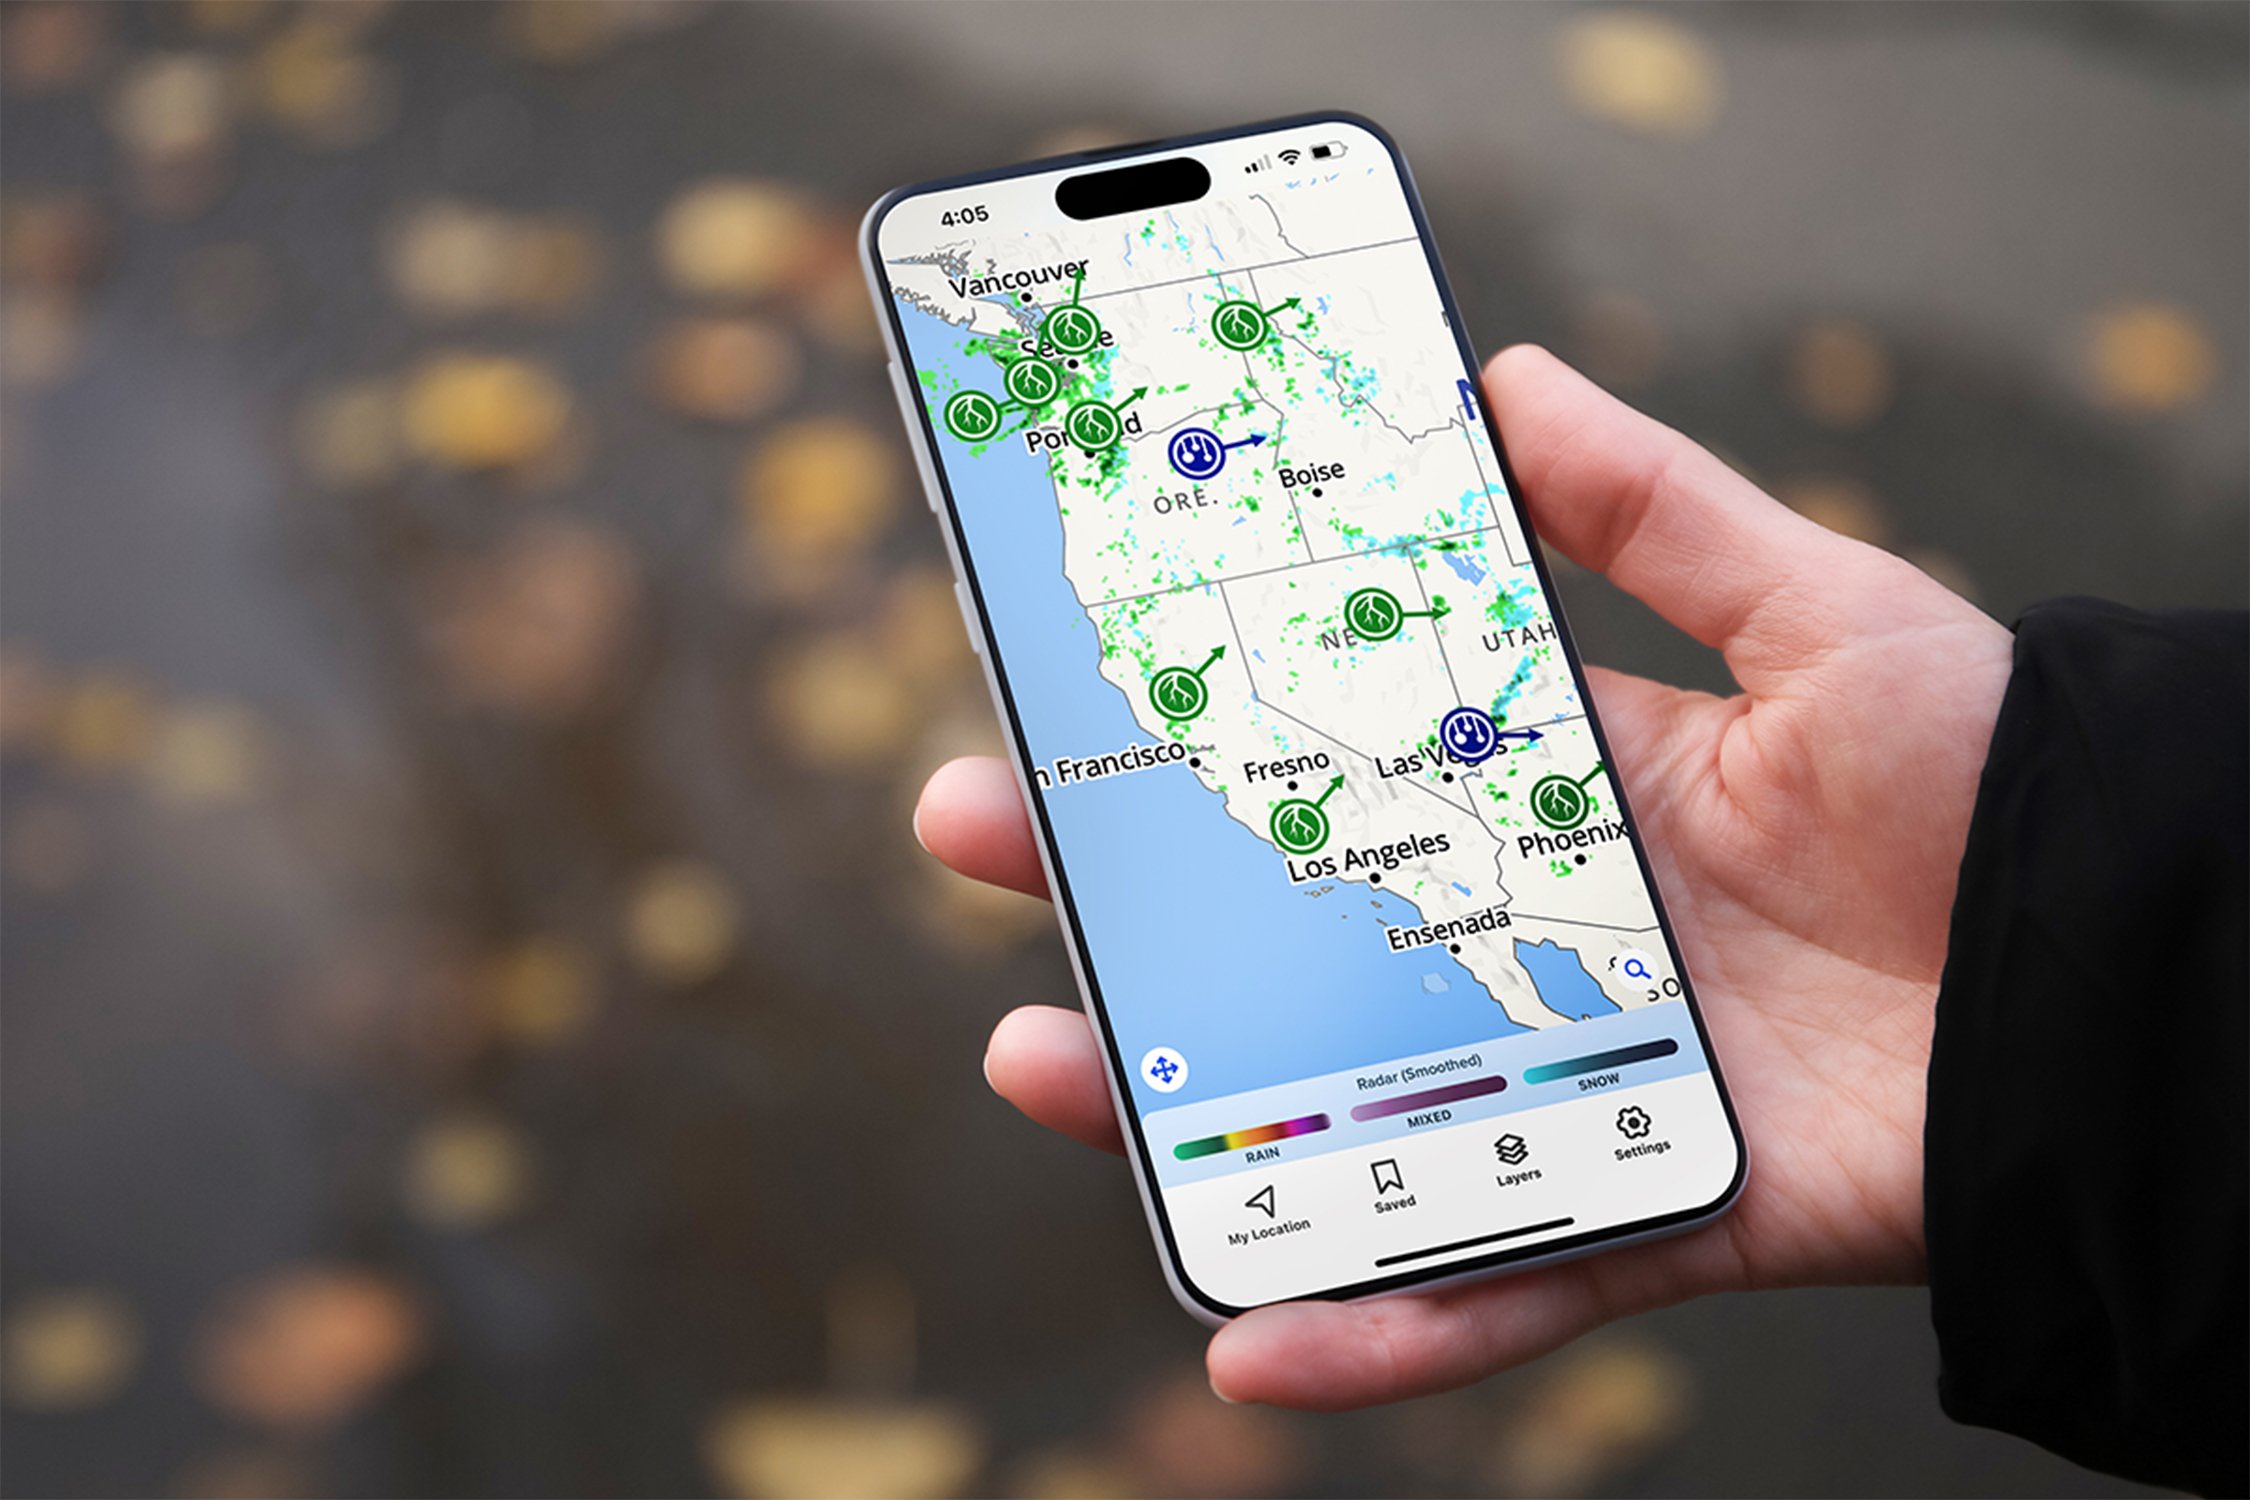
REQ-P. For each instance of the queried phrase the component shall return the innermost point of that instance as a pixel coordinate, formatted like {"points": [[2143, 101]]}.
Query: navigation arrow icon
{"points": [[1263, 1201]]}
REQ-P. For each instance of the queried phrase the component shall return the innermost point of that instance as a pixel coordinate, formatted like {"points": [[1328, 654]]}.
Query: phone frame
{"points": [[919, 422]]}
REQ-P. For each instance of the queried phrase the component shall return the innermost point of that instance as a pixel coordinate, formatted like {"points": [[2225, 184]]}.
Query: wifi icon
{"points": [[1289, 156]]}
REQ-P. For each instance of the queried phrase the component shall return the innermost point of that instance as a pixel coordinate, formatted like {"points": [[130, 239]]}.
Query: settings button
{"points": [[1637, 1125]]}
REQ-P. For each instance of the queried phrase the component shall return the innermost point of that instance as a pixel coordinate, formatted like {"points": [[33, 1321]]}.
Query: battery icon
{"points": [[1327, 149]]}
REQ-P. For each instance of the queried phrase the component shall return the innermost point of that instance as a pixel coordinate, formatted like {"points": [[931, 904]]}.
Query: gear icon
{"points": [[1633, 1122]]}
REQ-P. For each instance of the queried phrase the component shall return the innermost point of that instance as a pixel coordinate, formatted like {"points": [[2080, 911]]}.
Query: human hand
{"points": [[1805, 833]]}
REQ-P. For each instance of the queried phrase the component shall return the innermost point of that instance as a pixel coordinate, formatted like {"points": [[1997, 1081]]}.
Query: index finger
{"points": [[972, 817]]}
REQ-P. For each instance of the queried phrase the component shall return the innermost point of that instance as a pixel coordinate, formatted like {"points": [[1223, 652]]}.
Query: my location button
{"points": [[1267, 1222]]}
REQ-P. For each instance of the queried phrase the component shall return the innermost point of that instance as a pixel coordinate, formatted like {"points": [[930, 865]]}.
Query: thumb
{"points": [[1626, 496]]}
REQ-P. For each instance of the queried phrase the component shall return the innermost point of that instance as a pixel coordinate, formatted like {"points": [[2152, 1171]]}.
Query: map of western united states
{"points": [[1292, 536]]}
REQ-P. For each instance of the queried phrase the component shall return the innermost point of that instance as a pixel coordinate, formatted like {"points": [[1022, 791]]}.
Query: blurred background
{"points": [[476, 1021]]}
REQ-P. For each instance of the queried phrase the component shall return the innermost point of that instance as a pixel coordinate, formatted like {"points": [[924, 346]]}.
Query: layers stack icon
{"points": [[1511, 1150]]}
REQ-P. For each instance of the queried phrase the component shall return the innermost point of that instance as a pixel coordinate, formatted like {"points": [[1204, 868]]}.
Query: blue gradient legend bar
{"points": [[1596, 1062]]}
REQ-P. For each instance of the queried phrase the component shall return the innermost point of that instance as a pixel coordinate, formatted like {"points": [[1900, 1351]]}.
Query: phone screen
{"points": [[1351, 889]]}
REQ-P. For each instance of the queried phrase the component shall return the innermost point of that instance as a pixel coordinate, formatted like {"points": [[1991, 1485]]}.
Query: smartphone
{"points": [[1345, 869]]}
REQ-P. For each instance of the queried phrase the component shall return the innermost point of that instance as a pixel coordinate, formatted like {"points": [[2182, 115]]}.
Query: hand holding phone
{"points": [[1367, 931], [1808, 831]]}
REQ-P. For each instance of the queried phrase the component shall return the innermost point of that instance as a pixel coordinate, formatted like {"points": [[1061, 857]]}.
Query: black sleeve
{"points": [[2085, 1156]]}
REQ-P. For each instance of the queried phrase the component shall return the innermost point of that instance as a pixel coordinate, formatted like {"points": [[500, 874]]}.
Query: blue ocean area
{"points": [[1198, 940]]}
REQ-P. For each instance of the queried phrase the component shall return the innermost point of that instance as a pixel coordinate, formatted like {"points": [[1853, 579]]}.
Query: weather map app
{"points": [[1352, 891]]}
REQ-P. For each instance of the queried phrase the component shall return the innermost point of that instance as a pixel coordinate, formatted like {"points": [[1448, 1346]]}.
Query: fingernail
{"points": [[925, 843], [1222, 1395]]}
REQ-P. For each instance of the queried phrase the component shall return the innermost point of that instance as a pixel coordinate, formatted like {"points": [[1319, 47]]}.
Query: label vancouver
{"points": [[1014, 281]]}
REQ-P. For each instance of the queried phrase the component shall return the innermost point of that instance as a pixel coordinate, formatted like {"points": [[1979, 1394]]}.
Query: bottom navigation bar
{"points": [[1478, 1187]]}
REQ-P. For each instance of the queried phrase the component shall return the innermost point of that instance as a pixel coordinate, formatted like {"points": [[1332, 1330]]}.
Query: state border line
{"points": [[1476, 461], [1530, 916], [1290, 567], [1250, 379], [1463, 806], [1437, 634], [1209, 276], [1346, 397]]}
